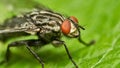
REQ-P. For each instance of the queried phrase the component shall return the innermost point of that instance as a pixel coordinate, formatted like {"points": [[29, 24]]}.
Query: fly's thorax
{"points": [[46, 19], [50, 30], [48, 22]]}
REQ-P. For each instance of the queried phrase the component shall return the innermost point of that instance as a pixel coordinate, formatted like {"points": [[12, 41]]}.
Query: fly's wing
{"points": [[12, 31], [16, 24], [15, 27], [12, 25]]}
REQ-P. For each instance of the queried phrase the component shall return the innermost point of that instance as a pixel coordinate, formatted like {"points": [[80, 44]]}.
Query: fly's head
{"points": [[70, 27]]}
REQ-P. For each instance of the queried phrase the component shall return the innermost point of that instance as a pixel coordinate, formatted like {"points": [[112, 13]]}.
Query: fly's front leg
{"points": [[58, 43], [27, 43], [87, 44]]}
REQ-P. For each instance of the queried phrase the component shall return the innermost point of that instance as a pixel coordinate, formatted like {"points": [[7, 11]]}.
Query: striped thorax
{"points": [[51, 24]]}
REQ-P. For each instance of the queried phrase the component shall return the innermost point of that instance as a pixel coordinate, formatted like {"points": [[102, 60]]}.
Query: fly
{"points": [[47, 25]]}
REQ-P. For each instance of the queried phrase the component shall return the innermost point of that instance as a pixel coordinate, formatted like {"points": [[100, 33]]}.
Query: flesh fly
{"points": [[47, 25]]}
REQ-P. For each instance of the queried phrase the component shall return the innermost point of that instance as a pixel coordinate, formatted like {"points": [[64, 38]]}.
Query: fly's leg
{"points": [[87, 44], [27, 43], [35, 55], [83, 42], [58, 42], [7, 55], [70, 57]]}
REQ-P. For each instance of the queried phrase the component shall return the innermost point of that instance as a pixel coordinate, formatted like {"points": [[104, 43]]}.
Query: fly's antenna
{"points": [[81, 27]]}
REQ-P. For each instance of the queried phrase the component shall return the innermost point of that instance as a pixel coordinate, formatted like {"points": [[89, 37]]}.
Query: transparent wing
{"points": [[8, 33], [12, 30], [17, 24]]}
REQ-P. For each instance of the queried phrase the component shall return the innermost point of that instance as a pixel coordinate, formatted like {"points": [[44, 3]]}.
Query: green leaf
{"points": [[101, 18]]}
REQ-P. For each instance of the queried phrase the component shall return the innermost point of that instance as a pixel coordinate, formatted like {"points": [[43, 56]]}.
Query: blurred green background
{"points": [[101, 18]]}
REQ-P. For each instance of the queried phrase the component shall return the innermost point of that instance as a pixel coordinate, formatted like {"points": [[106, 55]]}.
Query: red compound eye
{"points": [[74, 19], [65, 27]]}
